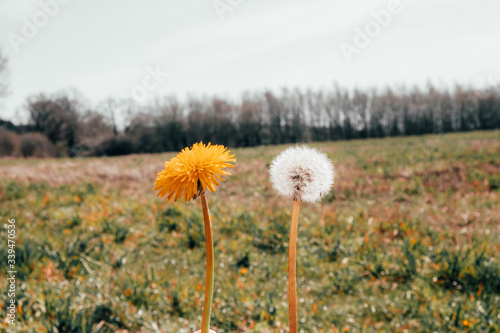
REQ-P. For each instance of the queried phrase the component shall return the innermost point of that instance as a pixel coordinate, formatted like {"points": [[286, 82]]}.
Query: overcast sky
{"points": [[110, 47]]}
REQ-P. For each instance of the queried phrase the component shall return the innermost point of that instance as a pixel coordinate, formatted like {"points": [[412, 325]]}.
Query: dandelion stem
{"points": [[209, 284], [292, 268]]}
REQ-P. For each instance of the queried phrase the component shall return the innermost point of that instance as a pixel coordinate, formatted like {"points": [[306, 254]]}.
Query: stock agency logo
{"points": [[363, 37], [31, 26]]}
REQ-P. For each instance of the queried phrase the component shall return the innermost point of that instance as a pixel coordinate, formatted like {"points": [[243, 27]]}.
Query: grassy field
{"points": [[407, 241]]}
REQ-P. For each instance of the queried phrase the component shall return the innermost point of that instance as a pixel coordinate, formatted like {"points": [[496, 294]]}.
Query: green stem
{"points": [[209, 284], [292, 268]]}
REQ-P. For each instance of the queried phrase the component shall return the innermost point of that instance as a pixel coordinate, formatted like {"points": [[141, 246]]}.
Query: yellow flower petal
{"points": [[200, 164]]}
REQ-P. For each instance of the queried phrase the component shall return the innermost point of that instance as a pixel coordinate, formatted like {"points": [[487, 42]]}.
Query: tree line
{"points": [[65, 125]]}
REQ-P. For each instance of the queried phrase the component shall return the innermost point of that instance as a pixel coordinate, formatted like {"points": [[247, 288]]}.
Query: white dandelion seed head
{"points": [[302, 173]]}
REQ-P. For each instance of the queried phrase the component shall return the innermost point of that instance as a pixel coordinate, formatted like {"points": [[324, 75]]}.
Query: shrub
{"points": [[115, 145], [494, 181], [36, 145], [9, 142]]}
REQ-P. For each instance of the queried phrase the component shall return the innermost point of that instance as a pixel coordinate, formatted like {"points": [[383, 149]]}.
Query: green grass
{"points": [[407, 241]]}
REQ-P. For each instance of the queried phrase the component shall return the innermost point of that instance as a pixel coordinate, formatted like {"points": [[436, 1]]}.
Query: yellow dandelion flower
{"points": [[467, 323], [193, 170]]}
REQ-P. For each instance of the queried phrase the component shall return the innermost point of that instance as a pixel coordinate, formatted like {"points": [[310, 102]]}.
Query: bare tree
{"points": [[4, 84], [119, 126], [57, 117], [109, 107]]}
